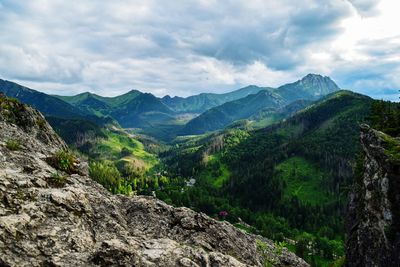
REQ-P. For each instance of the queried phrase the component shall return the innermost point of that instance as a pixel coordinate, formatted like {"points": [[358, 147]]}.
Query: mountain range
{"points": [[167, 117], [311, 87], [202, 102]]}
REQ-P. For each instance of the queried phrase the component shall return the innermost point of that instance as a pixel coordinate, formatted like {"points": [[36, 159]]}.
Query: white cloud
{"points": [[187, 47]]}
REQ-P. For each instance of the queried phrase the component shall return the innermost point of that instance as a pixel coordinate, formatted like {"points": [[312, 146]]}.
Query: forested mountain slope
{"points": [[297, 171], [324, 135]]}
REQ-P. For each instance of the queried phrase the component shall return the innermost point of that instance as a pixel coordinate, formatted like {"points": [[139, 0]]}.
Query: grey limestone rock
{"points": [[373, 223]]}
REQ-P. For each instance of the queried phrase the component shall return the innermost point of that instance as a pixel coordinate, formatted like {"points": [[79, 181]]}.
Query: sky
{"points": [[185, 47]]}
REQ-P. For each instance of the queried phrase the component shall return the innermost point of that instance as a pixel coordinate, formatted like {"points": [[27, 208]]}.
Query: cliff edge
{"points": [[373, 222], [50, 217]]}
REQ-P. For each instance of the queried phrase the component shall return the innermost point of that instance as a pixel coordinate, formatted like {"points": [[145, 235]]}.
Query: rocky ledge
{"points": [[373, 222], [79, 223]]}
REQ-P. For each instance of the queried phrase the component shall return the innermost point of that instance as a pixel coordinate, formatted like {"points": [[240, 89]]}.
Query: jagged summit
{"points": [[312, 86], [44, 222], [311, 76], [323, 84]]}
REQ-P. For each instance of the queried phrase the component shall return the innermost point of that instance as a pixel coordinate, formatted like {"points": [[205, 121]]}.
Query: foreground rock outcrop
{"points": [[373, 223], [78, 223]]}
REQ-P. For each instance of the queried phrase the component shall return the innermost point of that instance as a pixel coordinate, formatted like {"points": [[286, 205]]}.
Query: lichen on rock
{"points": [[373, 222]]}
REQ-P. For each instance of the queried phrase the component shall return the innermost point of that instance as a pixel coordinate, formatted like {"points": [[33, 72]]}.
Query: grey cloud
{"points": [[365, 7], [277, 41], [171, 47], [317, 23], [25, 64], [376, 79], [382, 48]]}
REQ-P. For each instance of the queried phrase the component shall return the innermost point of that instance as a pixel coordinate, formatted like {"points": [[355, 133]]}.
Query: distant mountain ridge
{"points": [[311, 87], [145, 111], [223, 115], [47, 104], [202, 102], [129, 109], [109, 101]]}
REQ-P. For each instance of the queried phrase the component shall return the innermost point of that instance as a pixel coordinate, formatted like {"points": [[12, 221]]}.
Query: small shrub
{"points": [[65, 161], [13, 145], [263, 250], [13, 100], [57, 179], [9, 103], [279, 246], [15, 112]]}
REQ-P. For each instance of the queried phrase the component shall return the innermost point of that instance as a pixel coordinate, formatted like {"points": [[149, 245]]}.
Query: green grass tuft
{"points": [[13, 145], [263, 250], [58, 179], [65, 161], [392, 147]]}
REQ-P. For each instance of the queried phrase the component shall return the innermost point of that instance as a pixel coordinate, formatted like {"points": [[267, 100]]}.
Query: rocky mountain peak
{"points": [[373, 223], [320, 85], [51, 217]]}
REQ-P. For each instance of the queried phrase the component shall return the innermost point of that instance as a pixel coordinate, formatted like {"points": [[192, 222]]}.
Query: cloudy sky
{"points": [[184, 47]]}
